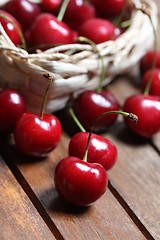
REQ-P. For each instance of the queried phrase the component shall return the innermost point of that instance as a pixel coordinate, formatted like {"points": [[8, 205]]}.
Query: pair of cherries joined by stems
{"points": [[81, 178]]}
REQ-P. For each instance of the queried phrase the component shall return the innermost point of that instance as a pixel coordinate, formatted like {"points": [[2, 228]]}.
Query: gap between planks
{"points": [[33, 198], [129, 211], [41, 210]]}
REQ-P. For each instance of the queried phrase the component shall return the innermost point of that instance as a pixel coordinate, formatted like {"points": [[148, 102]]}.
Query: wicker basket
{"points": [[79, 71]]}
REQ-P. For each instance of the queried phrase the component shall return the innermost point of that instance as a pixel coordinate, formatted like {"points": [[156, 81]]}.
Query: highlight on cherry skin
{"points": [[78, 182], [100, 150], [85, 11], [11, 25], [23, 10], [37, 136], [47, 31]]}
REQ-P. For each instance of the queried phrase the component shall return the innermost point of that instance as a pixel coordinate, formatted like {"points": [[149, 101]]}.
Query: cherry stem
{"points": [[76, 120], [82, 129], [130, 116], [118, 19], [126, 23], [17, 29], [62, 10], [102, 76], [155, 47], [46, 75]]}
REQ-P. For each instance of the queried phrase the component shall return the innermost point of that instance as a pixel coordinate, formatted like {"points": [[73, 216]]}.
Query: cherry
{"points": [[12, 106], [93, 147], [36, 136], [23, 10], [11, 26], [109, 8], [146, 61], [81, 182], [84, 9], [48, 31], [50, 5], [78, 182], [90, 104], [155, 81], [147, 108], [97, 30], [100, 149]]}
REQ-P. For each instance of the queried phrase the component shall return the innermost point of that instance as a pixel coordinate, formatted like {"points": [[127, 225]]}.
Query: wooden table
{"points": [[129, 210]]}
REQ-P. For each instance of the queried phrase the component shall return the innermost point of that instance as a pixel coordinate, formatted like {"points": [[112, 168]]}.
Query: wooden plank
{"points": [[18, 218], [106, 219], [136, 175]]}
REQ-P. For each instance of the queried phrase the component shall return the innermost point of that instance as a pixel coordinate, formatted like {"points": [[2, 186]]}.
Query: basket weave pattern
{"points": [[79, 70]]}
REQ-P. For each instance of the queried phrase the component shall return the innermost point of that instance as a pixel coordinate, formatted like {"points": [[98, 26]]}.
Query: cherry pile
{"points": [[45, 25], [82, 177], [36, 135]]}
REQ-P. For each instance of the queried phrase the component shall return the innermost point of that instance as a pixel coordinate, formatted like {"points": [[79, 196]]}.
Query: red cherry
{"points": [[100, 149], [84, 9], [147, 108], [12, 107], [97, 30], [109, 8], [80, 183], [23, 10], [155, 81], [50, 5], [146, 61], [11, 26], [91, 104], [36, 136], [47, 30]]}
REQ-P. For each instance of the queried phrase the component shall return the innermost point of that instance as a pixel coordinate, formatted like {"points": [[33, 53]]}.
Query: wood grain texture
{"points": [[18, 217], [136, 175], [106, 219]]}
